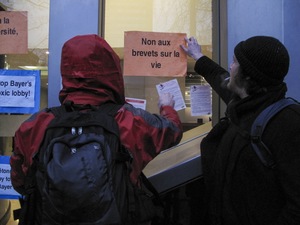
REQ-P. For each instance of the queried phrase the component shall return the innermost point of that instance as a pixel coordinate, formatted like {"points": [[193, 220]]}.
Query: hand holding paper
{"points": [[166, 99], [173, 88]]}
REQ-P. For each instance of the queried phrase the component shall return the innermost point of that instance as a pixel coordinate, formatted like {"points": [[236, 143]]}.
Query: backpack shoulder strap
{"points": [[258, 127], [57, 110], [109, 108]]}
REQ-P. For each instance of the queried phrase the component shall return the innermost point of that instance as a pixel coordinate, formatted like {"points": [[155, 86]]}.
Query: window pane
{"points": [[193, 17], [38, 26], [35, 59]]}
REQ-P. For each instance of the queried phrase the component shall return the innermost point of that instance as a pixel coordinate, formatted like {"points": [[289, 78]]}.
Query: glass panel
{"points": [[38, 26], [193, 17], [35, 59]]}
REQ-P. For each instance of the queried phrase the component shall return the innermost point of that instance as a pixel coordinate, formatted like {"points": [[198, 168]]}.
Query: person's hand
{"points": [[193, 49], [166, 99]]}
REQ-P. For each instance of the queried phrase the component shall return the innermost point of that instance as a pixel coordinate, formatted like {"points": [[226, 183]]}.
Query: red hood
{"points": [[91, 72]]}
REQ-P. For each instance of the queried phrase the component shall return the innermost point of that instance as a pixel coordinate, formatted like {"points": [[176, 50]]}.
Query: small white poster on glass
{"points": [[137, 102], [200, 100]]}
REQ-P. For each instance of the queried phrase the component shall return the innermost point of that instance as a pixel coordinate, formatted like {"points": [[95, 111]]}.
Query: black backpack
{"points": [[258, 127], [82, 173]]}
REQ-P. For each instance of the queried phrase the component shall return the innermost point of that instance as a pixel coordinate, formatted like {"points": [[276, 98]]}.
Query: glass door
{"points": [[193, 17]]}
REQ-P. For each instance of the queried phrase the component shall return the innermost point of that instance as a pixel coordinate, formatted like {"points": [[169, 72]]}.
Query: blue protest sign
{"points": [[6, 189], [20, 91]]}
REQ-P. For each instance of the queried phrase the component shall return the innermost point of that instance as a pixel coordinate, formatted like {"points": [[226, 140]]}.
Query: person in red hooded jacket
{"points": [[91, 74]]}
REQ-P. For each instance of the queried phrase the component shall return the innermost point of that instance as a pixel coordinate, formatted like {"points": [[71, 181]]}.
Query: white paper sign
{"points": [[137, 103], [17, 91], [200, 100], [172, 87]]}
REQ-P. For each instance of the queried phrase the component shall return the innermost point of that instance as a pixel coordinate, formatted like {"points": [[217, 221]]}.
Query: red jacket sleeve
{"points": [[27, 141], [146, 134]]}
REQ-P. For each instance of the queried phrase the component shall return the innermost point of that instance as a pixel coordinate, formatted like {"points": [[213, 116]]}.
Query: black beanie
{"points": [[264, 59]]}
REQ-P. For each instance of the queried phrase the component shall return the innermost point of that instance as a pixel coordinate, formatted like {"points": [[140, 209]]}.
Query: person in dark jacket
{"points": [[91, 74], [240, 190]]}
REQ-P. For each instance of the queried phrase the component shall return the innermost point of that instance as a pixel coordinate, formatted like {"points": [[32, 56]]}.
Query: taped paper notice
{"points": [[19, 91], [200, 100], [154, 54], [13, 32], [137, 103]]}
